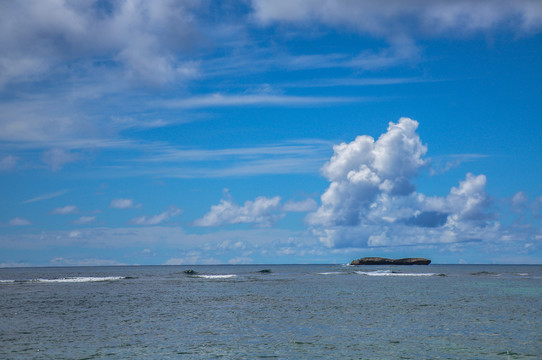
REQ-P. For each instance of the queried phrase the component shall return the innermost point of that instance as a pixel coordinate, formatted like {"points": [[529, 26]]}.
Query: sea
{"points": [[272, 311]]}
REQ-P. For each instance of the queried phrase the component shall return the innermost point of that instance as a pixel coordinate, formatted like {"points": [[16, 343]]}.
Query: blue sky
{"points": [[202, 132]]}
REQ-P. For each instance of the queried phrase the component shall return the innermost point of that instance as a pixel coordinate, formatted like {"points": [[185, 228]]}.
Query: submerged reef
{"points": [[386, 261]]}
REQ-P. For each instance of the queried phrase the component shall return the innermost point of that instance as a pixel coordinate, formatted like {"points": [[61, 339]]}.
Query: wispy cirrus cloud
{"points": [[221, 100], [129, 158], [45, 196], [356, 82], [442, 164], [294, 148], [292, 157]]}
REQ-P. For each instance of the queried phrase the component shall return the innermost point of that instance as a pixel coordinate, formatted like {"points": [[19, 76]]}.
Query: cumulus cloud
{"points": [[68, 209], [156, 219], [469, 201], [123, 204], [262, 211], [365, 168], [371, 200]]}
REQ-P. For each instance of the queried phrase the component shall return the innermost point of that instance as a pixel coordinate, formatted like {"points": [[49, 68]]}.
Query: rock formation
{"points": [[386, 261]]}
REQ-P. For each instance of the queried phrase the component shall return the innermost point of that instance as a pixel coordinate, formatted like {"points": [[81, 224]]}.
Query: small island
{"points": [[386, 261]]}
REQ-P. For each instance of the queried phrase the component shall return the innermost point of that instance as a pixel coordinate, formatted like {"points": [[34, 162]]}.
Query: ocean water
{"points": [[282, 312]]}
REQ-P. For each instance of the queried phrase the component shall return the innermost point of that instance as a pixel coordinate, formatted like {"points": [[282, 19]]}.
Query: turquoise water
{"points": [[287, 312]]}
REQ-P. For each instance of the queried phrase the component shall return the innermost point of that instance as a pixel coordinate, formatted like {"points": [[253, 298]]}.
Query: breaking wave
{"points": [[391, 273], [225, 276], [77, 279]]}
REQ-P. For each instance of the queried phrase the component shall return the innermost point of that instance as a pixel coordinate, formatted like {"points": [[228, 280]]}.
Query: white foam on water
{"points": [[226, 276], [523, 274], [390, 273], [80, 279], [331, 273], [7, 281]]}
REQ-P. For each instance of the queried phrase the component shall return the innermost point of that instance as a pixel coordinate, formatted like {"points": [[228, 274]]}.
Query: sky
{"points": [[262, 132]]}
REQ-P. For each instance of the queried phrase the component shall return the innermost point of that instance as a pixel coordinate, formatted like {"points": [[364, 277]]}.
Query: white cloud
{"points": [[267, 245], [469, 201], [123, 204], [68, 209], [45, 196], [143, 37], [85, 220], [296, 148], [156, 219], [262, 211], [396, 18], [289, 157], [220, 100], [363, 169], [399, 22], [371, 200], [56, 158], [18, 221], [298, 156]]}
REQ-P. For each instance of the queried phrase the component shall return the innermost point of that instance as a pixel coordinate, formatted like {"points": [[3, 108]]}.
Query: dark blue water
{"points": [[287, 312]]}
